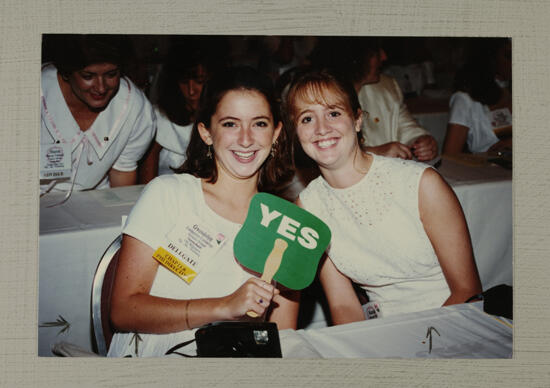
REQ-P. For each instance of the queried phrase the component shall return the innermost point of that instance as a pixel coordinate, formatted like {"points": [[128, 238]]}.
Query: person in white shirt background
{"points": [[480, 116], [92, 117], [187, 66], [388, 127]]}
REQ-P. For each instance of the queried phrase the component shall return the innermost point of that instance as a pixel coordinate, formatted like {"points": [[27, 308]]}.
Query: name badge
{"points": [[372, 310], [189, 248], [55, 161]]}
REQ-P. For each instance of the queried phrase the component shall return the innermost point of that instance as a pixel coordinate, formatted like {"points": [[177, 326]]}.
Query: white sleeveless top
{"points": [[378, 239]]}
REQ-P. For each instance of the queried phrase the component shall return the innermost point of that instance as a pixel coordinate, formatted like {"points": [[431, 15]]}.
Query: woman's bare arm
{"points": [[455, 139], [133, 309], [446, 227], [285, 311], [342, 300]]}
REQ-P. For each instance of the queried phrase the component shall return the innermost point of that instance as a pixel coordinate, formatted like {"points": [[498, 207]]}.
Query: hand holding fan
{"points": [[282, 241]]}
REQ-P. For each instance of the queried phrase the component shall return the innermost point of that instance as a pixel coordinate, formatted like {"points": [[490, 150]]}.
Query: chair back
{"points": [[102, 287]]}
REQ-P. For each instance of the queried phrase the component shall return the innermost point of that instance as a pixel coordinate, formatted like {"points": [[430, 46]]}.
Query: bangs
{"points": [[322, 92]]}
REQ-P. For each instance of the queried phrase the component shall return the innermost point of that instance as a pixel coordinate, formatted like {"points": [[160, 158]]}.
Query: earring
{"points": [[273, 148], [209, 152]]}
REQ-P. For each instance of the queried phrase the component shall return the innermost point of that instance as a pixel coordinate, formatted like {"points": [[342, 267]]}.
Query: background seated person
{"points": [[105, 122], [183, 74], [388, 128], [480, 117]]}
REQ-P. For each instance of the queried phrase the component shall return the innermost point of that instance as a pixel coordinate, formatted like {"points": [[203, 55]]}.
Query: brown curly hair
{"points": [[277, 170]]}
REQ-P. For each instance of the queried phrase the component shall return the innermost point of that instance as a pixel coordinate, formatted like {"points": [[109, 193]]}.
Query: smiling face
{"points": [[95, 85], [241, 133], [326, 128]]}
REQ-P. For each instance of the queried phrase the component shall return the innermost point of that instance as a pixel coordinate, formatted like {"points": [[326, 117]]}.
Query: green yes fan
{"points": [[281, 241]]}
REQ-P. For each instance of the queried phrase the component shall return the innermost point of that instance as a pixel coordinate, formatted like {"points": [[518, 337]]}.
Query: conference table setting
{"points": [[457, 331], [74, 235]]}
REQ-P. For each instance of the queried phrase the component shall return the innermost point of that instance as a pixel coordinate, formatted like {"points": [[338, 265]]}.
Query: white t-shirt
{"points": [[378, 239], [118, 138], [477, 117], [167, 205], [174, 140]]}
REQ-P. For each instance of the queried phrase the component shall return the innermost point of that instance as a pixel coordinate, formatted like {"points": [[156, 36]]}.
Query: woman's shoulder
{"points": [[174, 185], [460, 97], [380, 162], [388, 82], [171, 136], [135, 95], [166, 127], [48, 68], [178, 180], [48, 77], [163, 122], [396, 169], [312, 190], [315, 184]]}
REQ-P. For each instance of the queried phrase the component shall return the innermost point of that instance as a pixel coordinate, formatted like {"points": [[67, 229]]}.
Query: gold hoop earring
{"points": [[273, 148]]}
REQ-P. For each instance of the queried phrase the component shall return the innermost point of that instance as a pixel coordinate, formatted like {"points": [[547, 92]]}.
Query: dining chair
{"points": [[102, 287]]}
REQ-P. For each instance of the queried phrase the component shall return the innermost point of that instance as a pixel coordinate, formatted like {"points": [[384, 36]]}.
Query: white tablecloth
{"points": [[459, 331], [73, 237], [435, 123]]}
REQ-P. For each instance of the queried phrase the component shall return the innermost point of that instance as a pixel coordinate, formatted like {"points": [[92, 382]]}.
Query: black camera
{"points": [[238, 339]]}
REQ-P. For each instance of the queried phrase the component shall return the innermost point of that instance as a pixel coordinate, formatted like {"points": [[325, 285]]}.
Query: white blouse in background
{"points": [[174, 140], [477, 117], [118, 137]]}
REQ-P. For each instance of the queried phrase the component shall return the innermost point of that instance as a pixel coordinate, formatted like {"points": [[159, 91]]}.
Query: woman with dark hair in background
{"points": [[182, 77], [480, 117], [237, 148], [95, 123]]}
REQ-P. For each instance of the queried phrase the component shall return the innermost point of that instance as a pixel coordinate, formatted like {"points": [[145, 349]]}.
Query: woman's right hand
{"points": [[393, 149], [254, 295]]}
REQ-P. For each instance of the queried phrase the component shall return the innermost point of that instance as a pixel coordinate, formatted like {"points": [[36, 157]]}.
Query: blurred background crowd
{"points": [[393, 76]]}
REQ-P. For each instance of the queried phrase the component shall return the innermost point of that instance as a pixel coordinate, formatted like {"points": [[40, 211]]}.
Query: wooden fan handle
{"points": [[272, 264]]}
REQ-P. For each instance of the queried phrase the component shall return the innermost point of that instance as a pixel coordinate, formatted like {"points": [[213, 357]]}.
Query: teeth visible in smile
{"points": [[244, 155], [326, 143]]}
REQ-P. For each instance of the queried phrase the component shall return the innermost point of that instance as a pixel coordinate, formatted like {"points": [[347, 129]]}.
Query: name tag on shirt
{"points": [[55, 161], [190, 246], [372, 310]]}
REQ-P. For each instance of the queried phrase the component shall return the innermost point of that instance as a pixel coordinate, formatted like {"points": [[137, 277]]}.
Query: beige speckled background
{"points": [[23, 21]]}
